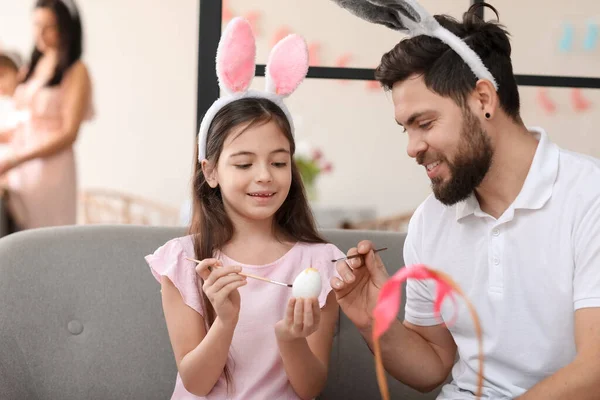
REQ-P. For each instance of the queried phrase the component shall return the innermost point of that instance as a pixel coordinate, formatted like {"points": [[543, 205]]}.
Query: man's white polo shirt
{"points": [[525, 272]]}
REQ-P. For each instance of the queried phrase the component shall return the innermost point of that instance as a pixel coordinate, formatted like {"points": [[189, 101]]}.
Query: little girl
{"points": [[233, 337]]}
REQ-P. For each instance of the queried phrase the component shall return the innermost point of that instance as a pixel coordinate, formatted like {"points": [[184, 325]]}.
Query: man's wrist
{"points": [[367, 330]]}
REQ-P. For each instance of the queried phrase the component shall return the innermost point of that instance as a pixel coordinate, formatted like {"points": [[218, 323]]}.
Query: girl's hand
{"points": [[221, 287], [301, 319]]}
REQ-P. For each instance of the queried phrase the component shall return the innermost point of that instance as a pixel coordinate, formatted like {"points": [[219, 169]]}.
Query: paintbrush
{"points": [[260, 278], [358, 255]]}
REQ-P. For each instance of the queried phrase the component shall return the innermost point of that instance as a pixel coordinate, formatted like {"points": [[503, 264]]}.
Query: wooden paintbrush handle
{"points": [[260, 278]]}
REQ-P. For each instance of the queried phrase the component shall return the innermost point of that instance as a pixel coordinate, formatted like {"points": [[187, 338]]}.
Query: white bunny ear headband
{"points": [[287, 67], [410, 17]]}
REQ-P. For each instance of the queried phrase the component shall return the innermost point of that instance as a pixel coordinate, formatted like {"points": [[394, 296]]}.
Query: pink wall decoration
{"points": [[373, 86], [279, 34], [545, 102], [227, 13], [313, 53], [342, 62], [580, 103], [253, 17]]}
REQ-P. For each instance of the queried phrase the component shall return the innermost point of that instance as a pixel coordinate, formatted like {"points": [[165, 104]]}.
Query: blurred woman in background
{"points": [[56, 92]]}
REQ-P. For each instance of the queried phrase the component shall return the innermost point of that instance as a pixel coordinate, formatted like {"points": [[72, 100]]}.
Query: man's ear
{"points": [[487, 98], [210, 173]]}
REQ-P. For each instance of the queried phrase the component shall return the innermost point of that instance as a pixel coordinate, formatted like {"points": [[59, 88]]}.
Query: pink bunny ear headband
{"points": [[287, 67], [409, 17]]}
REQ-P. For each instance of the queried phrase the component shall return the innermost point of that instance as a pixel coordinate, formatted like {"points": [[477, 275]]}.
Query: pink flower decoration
{"points": [[328, 167]]}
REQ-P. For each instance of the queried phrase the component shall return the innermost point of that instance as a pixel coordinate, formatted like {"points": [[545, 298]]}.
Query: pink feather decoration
{"points": [[287, 65], [388, 304], [236, 56]]}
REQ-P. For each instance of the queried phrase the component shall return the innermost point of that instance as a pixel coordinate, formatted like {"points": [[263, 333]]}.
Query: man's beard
{"points": [[470, 165]]}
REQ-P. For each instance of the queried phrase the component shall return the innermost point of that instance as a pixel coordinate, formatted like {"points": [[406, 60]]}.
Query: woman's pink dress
{"points": [[43, 191]]}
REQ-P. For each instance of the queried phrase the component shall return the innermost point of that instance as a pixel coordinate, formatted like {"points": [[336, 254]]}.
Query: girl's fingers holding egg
{"points": [[309, 319], [316, 311], [298, 316], [289, 312]]}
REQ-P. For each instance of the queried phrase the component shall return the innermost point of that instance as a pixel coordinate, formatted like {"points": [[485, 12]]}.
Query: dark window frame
{"points": [[210, 33]]}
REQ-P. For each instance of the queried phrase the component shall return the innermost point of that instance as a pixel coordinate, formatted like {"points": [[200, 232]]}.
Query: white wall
{"points": [[142, 55]]}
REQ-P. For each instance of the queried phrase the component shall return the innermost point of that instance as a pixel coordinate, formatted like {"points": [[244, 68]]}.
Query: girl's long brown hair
{"points": [[211, 227]]}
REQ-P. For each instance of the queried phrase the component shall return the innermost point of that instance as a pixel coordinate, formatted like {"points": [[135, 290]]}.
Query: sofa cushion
{"points": [[81, 317]]}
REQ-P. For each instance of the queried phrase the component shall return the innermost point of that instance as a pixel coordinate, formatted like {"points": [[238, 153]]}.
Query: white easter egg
{"points": [[307, 284]]}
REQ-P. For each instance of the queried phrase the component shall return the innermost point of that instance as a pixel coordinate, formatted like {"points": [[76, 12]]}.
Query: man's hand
{"points": [[362, 277]]}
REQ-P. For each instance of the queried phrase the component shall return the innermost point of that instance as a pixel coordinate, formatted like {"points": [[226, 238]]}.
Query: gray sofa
{"points": [[81, 318]]}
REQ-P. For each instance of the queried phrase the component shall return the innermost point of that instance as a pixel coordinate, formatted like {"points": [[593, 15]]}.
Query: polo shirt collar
{"points": [[538, 185]]}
